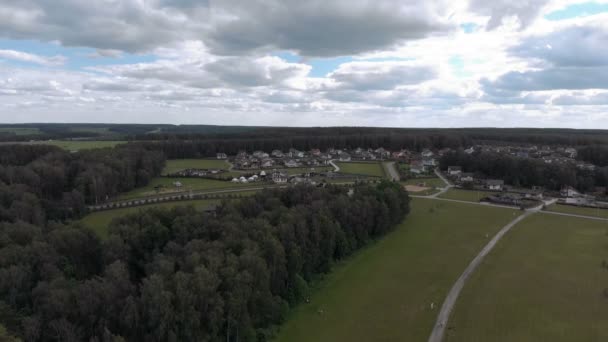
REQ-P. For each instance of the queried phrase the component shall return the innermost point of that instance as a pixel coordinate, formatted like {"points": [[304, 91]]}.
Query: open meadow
{"points": [[372, 169], [385, 292], [569, 209], [435, 182], [544, 281], [166, 186], [466, 195]]}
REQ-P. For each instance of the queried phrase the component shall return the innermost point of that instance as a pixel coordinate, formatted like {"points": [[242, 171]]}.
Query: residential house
{"points": [[467, 177], [454, 170], [427, 153], [568, 191], [222, 156], [315, 152], [344, 157], [417, 167], [279, 177], [495, 184], [429, 162], [570, 152], [291, 163], [260, 154], [267, 163], [277, 154], [470, 150]]}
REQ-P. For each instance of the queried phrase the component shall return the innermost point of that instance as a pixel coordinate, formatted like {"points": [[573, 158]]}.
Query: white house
{"points": [[427, 153], [344, 157], [454, 170], [222, 156], [495, 184]]}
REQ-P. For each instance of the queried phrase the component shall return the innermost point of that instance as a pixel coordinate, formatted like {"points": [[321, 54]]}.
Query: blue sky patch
{"points": [[469, 27], [77, 58], [578, 10]]}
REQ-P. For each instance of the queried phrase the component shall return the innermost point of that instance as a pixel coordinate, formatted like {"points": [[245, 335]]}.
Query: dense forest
{"points": [[39, 183], [185, 275], [225, 137], [526, 172]]}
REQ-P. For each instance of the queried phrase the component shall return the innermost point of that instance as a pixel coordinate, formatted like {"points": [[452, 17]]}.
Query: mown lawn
{"points": [[544, 281], [466, 195], [429, 182], [194, 184], [366, 169], [384, 293], [175, 165], [569, 209], [20, 130]]}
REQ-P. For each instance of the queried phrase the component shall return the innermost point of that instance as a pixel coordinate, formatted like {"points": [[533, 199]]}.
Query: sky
{"points": [[385, 63]]}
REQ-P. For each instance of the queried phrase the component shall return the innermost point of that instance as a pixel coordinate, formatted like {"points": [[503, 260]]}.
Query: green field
{"points": [[384, 292], [569, 209], [99, 221], [175, 165], [430, 182], [83, 145], [466, 195], [367, 169], [194, 184], [542, 282]]}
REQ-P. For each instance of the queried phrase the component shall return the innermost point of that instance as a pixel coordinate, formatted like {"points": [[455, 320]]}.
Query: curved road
{"points": [[336, 167], [450, 299]]}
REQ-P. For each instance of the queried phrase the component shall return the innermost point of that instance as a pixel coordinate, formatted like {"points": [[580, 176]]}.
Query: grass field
{"points": [[542, 282], [466, 195], [194, 184], [175, 165], [368, 169], [384, 292], [83, 145], [100, 220], [430, 182], [568, 209]]}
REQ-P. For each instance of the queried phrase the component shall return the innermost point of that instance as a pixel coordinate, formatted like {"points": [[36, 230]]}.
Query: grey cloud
{"points": [[230, 27], [581, 100], [381, 75], [573, 46], [574, 78], [252, 73], [323, 28], [526, 11]]}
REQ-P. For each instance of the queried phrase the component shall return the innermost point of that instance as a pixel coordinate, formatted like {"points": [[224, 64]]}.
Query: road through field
{"points": [[391, 170], [450, 300]]}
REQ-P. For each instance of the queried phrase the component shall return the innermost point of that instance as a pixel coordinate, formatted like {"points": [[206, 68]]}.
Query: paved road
{"points": [[336, 167], [447, 187], [392, 171], [450, 300]]}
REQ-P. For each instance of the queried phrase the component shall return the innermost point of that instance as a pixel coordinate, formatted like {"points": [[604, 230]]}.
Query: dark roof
{"points": [[495, 182]]}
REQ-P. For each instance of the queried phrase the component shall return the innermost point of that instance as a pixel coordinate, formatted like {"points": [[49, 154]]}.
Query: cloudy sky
{"points": [[399, 63]]}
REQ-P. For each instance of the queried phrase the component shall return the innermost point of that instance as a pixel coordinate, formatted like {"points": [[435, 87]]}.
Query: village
{"points": [[315, 166]]}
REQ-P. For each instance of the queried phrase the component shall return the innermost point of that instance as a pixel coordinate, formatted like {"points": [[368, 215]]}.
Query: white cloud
{"points": [[32, 58]]}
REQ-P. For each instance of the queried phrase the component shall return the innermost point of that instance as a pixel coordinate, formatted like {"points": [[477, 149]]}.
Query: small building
{"points": [[277, 154], [177, 184], [429, 162], [222, 156], [568, 191], [427, 153], [469, 150], [495, 184], [454, 170], [344, 157], [417, 167], [291, 163], [467, 177], [279, 177]]}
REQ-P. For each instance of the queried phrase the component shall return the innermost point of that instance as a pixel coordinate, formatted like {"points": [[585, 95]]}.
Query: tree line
{"points": [[526, 172], [40, 183], [186, 275]]}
